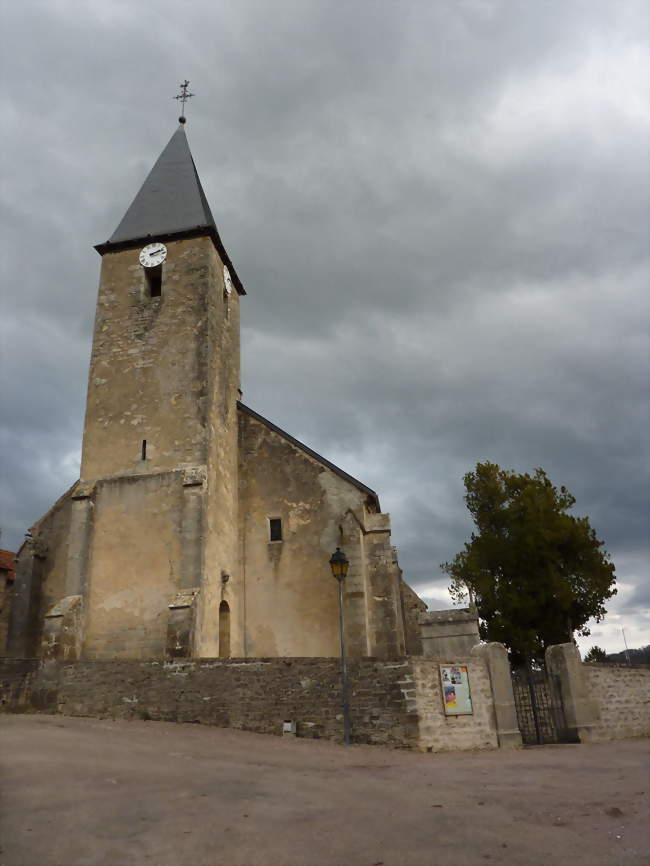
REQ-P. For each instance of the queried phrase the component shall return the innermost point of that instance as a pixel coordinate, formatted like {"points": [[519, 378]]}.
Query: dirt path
{"points": [[85, 792]]}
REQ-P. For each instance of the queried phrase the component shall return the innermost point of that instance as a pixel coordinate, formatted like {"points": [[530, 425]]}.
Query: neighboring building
{"points": [[7, 574], [198, 527]]}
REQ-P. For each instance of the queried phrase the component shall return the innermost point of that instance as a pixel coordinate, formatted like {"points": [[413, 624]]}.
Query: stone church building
{"points": [[198, 528]]}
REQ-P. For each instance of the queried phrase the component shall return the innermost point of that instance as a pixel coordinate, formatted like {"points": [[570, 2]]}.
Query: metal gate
{"points": [[540, 710]]}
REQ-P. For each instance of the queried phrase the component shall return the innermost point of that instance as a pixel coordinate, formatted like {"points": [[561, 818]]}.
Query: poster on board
{"points": [[456, 693]]}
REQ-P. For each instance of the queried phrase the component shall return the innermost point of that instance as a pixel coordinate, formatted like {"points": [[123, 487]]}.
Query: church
{"points": [[197, 527]]}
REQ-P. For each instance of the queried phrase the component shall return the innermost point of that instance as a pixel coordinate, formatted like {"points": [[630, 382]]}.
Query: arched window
{"points": [[224, 630]]}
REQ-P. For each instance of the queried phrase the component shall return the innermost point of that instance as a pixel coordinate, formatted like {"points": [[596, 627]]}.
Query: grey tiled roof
{"points": [[170, 202]]}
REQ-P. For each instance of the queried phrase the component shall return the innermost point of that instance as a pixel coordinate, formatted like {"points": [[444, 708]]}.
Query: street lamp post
{"points": [[339, 565]]}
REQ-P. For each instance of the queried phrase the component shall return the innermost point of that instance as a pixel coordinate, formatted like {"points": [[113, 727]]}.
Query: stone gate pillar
{"points": [[580, 712], [495, 656]]}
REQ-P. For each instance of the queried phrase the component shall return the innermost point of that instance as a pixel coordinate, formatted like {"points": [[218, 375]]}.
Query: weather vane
{"points": [[183, 96]]}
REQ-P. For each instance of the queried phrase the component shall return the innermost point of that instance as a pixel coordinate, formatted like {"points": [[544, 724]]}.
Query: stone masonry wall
{"points": [[393, 703], [622, 697], [15, 680], [6, 590], [148, 377], [441, 733]]}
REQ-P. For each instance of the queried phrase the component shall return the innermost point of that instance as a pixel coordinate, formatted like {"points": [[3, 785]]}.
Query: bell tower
{"points": [[154, 547], [166, 328]]}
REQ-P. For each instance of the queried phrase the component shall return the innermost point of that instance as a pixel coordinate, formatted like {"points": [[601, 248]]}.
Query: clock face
{"points": [[153, 255], [227, 281]]}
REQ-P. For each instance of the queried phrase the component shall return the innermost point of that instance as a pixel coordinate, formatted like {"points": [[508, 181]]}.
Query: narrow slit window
{"points": [[153, 277], [144, 449], [224, 630], [275, 529]]}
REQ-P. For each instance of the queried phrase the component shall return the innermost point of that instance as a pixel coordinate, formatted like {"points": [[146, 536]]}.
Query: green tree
{"points": [[596, 654], [535, 572]]}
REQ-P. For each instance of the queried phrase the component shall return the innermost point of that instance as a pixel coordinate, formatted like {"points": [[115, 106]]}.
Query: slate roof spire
{"points": [[170, 203]]}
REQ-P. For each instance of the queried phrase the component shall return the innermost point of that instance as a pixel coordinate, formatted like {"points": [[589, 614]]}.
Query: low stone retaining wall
{"points": [[15, 679], [392, 703], [621, 694], [396, 703]]}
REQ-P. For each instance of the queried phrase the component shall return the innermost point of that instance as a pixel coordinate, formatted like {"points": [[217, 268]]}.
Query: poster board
{"points": [[456, 694]]}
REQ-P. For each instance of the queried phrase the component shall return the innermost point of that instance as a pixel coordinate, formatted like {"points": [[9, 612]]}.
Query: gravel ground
{"points": [[90, 792]]}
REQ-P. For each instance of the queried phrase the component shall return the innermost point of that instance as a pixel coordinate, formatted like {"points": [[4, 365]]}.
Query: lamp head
{"points": [[339, 564]]}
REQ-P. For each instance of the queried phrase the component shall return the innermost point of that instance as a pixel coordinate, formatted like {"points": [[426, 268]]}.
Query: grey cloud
{"points": [[439, 210]]}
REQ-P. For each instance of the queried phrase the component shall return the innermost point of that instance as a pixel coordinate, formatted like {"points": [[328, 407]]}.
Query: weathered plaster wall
{"points": [[6, 597], [40, 577], [383, 595], [291, 598], [621, 694], [412, 607], [451, 633], [394, 703], [222, 570], [149, 370], [6, 592], [135, 565]]}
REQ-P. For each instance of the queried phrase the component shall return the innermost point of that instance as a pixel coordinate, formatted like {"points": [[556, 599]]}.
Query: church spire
{"points": [[170, 200], [170, 203]]}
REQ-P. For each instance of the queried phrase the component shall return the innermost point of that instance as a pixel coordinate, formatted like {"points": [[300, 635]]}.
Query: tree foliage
{"points": [[596, 654], [536, 573]]}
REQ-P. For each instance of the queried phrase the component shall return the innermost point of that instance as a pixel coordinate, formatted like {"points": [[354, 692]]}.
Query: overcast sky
{"points": [[439, 211]]}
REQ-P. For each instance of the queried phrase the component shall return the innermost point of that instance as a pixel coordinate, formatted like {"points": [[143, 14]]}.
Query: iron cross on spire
{"points": [[183, 96]]}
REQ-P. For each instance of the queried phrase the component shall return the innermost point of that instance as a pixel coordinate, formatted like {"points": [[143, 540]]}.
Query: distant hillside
{"points": [[637, 656]]}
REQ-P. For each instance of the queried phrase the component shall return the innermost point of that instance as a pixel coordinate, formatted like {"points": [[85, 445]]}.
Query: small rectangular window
{"points": [[144, 449], [275, 529]]}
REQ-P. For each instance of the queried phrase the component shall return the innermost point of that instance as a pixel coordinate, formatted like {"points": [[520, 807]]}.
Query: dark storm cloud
{"points": [[439, 210]]}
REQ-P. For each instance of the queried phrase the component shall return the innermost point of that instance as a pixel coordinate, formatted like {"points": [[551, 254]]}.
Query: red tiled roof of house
{"points": [[8, 563]]}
